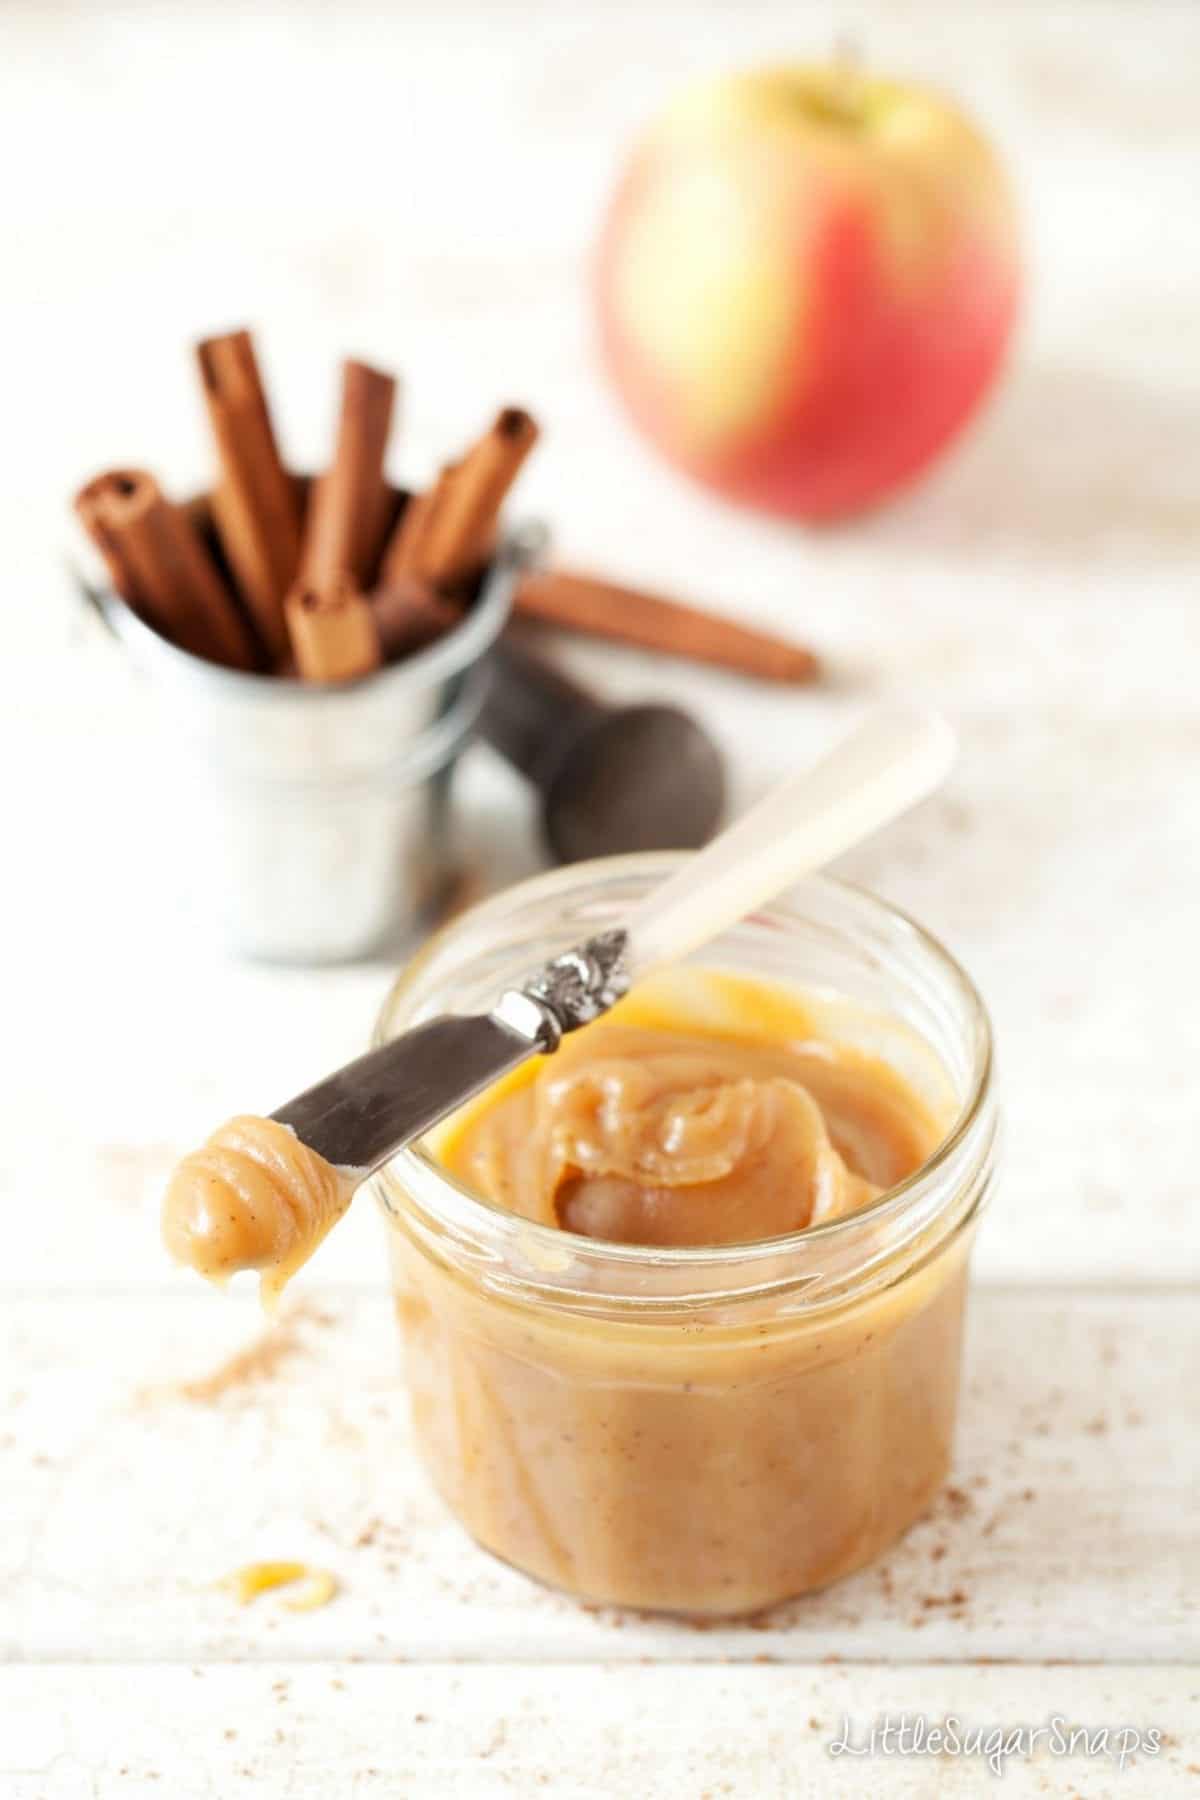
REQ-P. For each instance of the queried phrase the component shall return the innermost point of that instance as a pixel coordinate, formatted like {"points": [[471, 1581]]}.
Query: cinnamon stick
{"points": [[402, 553], [348, 511], [457, 539], [255, 505], [591, 604], [409, 615], [159, 563], [332, 630]]}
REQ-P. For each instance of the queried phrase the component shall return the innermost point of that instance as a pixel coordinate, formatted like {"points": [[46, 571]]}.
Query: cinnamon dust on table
{"points": [[956, 1598], [256, 1364]]}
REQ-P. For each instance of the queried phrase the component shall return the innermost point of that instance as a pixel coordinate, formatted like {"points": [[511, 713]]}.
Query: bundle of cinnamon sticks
{"points": [[326, 579], [330, 578]]}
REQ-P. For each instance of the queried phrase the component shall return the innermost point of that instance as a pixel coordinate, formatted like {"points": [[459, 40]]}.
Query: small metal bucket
{"points": [[315, 818]]}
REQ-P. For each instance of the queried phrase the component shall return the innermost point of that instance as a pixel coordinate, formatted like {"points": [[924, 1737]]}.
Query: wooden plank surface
{"points": [[1067, 1533], [303, 1733], [1061, 866], [1041, 588]]}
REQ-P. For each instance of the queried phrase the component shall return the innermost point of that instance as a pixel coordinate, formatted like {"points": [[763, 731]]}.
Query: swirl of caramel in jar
{"points": [[649, 1135], [254, 1197]]}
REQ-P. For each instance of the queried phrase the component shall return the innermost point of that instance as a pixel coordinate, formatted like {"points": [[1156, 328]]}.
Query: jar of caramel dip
{"points": [[682, 1304]]}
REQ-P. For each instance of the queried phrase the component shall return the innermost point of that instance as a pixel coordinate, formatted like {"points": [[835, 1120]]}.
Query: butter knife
{"points": [[363, 1114]]}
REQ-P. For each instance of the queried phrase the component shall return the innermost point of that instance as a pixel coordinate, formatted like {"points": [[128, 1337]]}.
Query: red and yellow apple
{"points": [[806, 283]]}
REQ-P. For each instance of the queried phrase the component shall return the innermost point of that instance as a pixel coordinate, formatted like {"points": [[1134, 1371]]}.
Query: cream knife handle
{"points": [[897, 757]]}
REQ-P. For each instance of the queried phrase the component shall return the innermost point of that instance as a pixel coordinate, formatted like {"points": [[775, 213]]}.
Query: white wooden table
{"points": [[420, 186]]}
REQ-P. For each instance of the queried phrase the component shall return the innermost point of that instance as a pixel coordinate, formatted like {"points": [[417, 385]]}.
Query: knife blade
{"points": [[364, 1113]]}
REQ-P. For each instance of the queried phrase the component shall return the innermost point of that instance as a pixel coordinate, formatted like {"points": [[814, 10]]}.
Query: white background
{"points": [[420, 186]]}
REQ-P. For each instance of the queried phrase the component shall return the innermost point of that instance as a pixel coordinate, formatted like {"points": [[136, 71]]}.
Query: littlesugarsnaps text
{"points": [[915, 1734]]}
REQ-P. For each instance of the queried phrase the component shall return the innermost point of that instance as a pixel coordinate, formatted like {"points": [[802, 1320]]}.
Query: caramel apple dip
{"points": [[660, 1135], [679, 1445]]}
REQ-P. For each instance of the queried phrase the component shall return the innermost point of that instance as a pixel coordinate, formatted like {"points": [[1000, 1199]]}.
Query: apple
{"points": [[806, 282]]}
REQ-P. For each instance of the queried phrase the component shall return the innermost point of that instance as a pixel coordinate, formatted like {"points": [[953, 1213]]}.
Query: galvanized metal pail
{"points": [[315, 817]]}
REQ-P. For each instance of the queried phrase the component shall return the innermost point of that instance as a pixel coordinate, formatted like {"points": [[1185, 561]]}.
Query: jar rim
{"points": [[553, 1240]]}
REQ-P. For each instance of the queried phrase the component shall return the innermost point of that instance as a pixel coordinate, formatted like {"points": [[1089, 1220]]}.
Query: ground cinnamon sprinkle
{"points": [[258, 1362], [957, 1597]]}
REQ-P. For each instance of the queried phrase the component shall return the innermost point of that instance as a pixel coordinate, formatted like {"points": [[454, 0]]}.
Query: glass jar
{"points": [[706, 1431]]}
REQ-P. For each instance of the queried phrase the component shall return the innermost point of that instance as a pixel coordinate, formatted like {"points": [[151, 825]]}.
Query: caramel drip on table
{"points": [[254, 1579]]}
